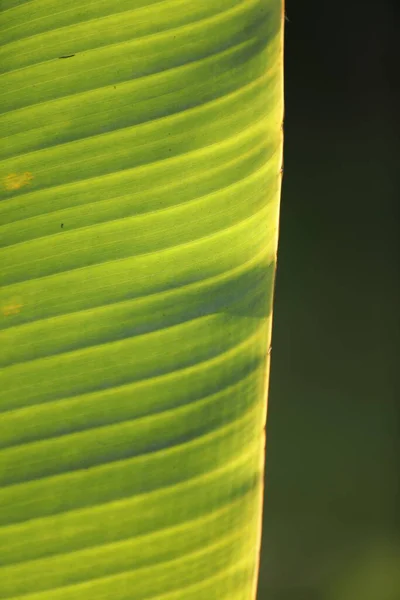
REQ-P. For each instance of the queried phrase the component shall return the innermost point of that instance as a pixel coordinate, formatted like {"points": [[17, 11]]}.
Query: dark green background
{"points": [[332, 476]]}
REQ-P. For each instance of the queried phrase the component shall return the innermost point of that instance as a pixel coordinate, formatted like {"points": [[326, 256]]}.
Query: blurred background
{"points": [[333, 452]]}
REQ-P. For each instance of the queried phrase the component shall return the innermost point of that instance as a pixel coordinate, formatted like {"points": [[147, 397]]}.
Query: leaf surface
{"points": [[140, 172]]}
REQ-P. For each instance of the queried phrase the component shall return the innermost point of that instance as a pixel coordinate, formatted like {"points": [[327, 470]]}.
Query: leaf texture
{"points": [[140, 173]]}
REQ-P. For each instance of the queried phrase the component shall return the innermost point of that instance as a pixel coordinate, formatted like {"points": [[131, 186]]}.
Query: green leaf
{"points": [[140, 172]]}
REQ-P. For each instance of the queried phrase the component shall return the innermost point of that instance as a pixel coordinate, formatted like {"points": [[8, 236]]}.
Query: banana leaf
{"points": [[140, 171]]}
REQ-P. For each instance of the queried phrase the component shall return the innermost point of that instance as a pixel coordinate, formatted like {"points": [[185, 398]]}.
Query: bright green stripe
{"points": [[130, 554], [43, 15], [206, 72], [120, 362], [111, 108], [130, 438], [174, 48], [159, 394], [134, 317], [137, 516], [174, 575], [112, 29], [186, 190], [189, 168], [132, 147], [224, 586], [170, 269], [87, 61], [141, 234], [124, 478]]}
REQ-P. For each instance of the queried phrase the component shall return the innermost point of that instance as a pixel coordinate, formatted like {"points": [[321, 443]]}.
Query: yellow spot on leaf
{"points": [[13, 307], [15, 181]]}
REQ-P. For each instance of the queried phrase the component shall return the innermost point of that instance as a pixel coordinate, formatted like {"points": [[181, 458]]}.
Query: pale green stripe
{"points": [[224, 586], [134, 147], [36, 17], [182, 191], [130, 554], [263, 89], [190, 167], [173, 227], [130, 438], [124, 478], [55, 79], [169, 269], [115, 363], [110, 108], [122, 320], [136, 516], [151, 396], [160, 580], [103, 31]]}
